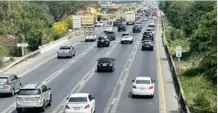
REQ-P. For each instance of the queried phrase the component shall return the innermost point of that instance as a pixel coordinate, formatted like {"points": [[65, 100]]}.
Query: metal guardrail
{"points": [[183, 108]]}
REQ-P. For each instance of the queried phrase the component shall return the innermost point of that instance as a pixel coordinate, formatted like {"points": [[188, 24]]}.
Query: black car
{"points": [[103, 42], [122, 28], [117, 23], [105, 64], [147, 45], [111, 35], [147, 35], [136, 29]]}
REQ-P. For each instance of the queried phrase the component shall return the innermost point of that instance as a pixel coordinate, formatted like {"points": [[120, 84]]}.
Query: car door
{"points": [[92, 102], [45, 92], [13, 82], [16, 82]]}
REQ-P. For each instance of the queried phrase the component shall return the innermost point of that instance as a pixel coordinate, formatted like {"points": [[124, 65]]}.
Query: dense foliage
{"points": [[36, 23], [198, 21], [194, 24]]}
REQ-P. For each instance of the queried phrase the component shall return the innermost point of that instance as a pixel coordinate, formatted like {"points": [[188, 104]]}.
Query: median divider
{"points": [[183, 108]]}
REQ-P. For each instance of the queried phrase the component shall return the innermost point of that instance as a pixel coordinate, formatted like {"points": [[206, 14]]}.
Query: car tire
{"points": [[131, 42], [50, 101], [58, 57], [152, 49], [42, 109], [74, 54], [132, 95], [152, 96], [19, 110]]}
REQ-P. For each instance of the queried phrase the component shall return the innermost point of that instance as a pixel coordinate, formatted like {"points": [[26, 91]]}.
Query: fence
{"points": [[183, 108]]}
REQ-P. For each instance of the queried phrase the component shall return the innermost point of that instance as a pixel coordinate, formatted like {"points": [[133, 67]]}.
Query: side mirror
{"points": [[113, 59], [67, 98], [49, 88], [154, 80], [133, 80], [93, 97], [98, 60]]}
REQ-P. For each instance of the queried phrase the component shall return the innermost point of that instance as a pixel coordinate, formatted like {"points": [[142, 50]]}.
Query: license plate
{"points": [[104, 64], [77, 108]]}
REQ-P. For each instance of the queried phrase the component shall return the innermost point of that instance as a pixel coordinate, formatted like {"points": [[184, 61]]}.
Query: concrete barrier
{"points": [[183, 108]]}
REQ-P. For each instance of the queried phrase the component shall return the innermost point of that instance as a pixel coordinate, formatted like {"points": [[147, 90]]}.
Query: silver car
{"points": [[9, 84], [66, 51]]}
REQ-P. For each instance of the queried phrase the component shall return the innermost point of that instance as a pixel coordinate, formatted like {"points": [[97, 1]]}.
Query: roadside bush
{"points": [[59, 29]]}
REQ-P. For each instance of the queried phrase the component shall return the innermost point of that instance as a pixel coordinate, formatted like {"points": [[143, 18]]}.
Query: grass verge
{"points": [[200, 93]]}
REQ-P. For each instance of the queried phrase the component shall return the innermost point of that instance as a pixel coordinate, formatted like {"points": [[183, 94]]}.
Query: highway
{"points": [[112, 90]]}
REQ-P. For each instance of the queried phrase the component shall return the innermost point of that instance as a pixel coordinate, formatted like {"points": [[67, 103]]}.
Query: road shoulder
{"points": [[169, 95]]}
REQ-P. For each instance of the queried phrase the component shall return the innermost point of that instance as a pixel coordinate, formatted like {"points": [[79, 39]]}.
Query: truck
{"points": [[130, 18], [89, 33]]}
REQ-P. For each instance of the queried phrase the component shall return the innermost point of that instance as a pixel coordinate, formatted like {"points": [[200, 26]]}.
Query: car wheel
{"points": [[152, 49], [132, 95], [50, 100], [131, 42], [19, 110], [43, 107], [152, 96], [58, 57], [74, 54]]}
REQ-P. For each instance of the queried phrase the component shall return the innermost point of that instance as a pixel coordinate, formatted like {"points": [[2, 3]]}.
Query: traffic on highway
{"points": [[112, 69]]}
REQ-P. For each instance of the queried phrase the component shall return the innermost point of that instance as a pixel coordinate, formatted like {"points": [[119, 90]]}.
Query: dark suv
{"points": [[105, 64], [148, 35], [122, 28], [147, 45], [103, 42], [136, 29], [111, 35]]}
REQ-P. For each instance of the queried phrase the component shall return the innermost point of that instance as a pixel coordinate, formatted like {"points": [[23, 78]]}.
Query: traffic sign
{"points": [[22, 45], [76, 21], [178, 51]]}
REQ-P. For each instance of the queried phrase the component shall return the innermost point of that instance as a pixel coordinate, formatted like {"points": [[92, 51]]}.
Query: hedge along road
{"points": [[47, 68]]}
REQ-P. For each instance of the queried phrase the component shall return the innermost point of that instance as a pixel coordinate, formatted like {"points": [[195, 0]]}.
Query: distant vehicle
{"points": [[150, 29], [9, 84], [130, 17], [111, 35], [80, 103], [138, 22], [103, 42], [108, 28], [147, 35], [126, 38], [144, 19], [147, 45], [151, 25], [117, 23], [106, 64], [89, 33], [143, 86], [136, 28], [33, 96], [121, 28], [98, 24], [66, 51]]}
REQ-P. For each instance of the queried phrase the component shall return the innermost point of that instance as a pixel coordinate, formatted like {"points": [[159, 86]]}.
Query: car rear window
{"points": [[142, 81], [110, 33], [64, 47], [104, 60], [125, 35], [3, 79], [100, 38], [29, 92], [78, 99]]}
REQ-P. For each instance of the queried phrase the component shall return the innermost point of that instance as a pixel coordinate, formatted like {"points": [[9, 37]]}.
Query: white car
{"points": [[151, 30], [144, 19], [98, 24], [108, 28], [126, 38], [80, 103], [143, 86]]}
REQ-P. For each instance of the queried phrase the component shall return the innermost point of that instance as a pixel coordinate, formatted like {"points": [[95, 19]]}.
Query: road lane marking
{"points": [[159, 71], [49, 79], [113, 101], [77, 88], [122, 78]]}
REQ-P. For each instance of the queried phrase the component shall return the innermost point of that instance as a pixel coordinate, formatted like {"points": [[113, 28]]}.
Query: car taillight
{"points": [[151, 87], [134, 86], [7, 83], [87, 106], [110, 64], [67, 107]]}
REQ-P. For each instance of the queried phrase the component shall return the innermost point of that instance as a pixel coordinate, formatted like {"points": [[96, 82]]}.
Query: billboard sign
{"points": [[76, 21], [87, 19]]}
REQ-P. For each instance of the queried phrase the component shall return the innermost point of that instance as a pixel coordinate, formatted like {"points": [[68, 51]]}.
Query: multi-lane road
{"points": [[112, 90]]}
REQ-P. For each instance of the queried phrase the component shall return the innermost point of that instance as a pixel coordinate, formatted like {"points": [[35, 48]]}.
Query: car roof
{"points": [[79, 95], [5, 74], [105, 58], [143, 78], [31, 86]]}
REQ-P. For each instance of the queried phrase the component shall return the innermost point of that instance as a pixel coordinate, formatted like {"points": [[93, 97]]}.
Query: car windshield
{"points": [[104, 60], [65, 47], [142, 81], [29, 92], [125, 34], [78, 99], [100, 38], [3, 79], [110, 33]]}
